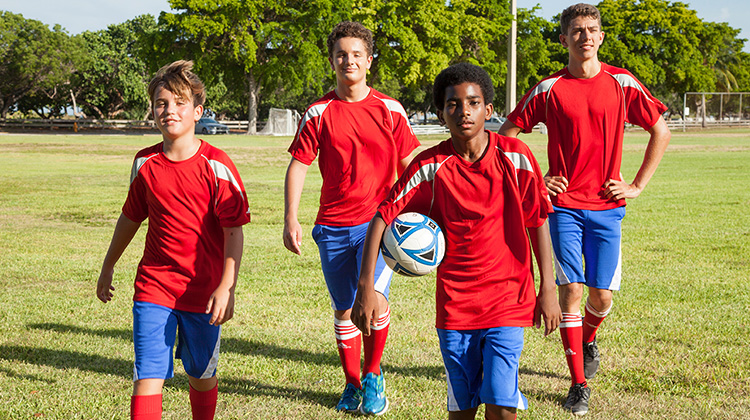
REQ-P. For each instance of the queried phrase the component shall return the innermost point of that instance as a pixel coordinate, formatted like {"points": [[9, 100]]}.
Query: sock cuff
{"points": [[571, 320], [383, 321], [146, 404], [590, 310], [204, 398], [345, 329]]}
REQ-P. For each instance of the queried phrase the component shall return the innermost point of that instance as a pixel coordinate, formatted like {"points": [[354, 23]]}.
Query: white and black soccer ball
{"points": [[413, 244]]}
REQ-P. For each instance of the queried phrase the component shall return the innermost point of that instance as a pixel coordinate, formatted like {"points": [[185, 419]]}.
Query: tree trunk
{"points": [[252, 105]]}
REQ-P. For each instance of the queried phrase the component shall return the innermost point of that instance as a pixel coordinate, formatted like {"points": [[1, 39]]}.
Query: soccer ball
{"points": [[413, 245]]}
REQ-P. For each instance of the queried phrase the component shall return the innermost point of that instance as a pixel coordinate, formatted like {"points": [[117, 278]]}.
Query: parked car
{"points": [[210, 126], [494, 123]]}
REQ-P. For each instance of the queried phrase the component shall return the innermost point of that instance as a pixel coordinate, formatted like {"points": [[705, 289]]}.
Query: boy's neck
{"points": [[182, 148], [352, 93], [473, 149], [584, 69]]}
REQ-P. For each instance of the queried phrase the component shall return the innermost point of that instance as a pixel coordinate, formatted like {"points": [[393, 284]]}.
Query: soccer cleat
{"points": [[374, 401], [578, 399], [591, 359], [350, 400]]}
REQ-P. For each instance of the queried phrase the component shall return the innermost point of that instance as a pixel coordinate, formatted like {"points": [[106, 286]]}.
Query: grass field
{"points": [[674, 347]]}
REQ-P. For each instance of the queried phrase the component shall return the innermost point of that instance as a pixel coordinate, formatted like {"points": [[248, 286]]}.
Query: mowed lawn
{"points": [[674, 347]]}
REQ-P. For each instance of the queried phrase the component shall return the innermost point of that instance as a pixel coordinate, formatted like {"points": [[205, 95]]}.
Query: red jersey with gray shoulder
{"points": [[483, 208], [359, 145], [187, 203], [585, 121]]}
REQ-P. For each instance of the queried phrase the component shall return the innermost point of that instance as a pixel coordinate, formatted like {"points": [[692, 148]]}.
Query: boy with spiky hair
{"points": [[362, 139], [485, 192], [195, 202], [585, 107]]}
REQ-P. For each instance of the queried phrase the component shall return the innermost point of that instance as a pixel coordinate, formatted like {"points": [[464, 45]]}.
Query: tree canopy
{"points": [[253, 54]]}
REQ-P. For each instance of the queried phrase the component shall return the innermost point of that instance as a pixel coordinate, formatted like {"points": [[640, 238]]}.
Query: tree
{"points": [[263, 45], [34, 62], [114, 83]]}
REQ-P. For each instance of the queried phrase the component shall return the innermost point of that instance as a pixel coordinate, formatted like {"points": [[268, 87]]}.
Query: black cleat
{"points": [[578, 399], [591, 359]]}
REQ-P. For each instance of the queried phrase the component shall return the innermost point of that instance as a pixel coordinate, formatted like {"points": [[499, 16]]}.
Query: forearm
{"points": [[370, 251], [234, 240], [293, 184], [657, 146], [125, 230], [541, 245]]}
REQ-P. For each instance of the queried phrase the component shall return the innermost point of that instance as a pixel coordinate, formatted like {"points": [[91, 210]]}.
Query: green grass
{"points": [[674, 347]]}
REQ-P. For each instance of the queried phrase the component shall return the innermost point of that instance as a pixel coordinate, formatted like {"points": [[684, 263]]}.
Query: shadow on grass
{"points": [[256, 348]]}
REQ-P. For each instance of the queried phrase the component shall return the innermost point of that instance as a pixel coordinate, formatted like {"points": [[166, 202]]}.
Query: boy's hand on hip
{"points": [[555, 184], [221, 306], [618, 190]]}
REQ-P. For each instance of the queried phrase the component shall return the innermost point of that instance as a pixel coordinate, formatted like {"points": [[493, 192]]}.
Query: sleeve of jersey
{"points": [[304, 148], [412, 191], [643, 109], [406, 141], [232, 208], [534, 197], [530, 110], [136, 206]]}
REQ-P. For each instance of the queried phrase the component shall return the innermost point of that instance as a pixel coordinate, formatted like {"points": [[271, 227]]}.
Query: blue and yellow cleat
{"points": [[350, 400], [374, 401]]}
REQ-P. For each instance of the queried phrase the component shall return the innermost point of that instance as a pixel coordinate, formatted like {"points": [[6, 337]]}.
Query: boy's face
{"points": [[350, 61], [583, 38], [175, 115], [464, 111]]}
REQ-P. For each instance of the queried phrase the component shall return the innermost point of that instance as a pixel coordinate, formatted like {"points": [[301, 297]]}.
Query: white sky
{"points": [[77, 16]]}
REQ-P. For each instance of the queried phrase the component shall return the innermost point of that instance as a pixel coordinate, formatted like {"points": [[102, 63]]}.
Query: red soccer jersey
{"points": [[360, 145], [187, 204], [486, 278], [585, 119]]}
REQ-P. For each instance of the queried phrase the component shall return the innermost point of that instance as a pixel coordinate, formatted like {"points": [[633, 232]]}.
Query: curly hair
{"points": [[461, 73], [577, 10], [347, 29], [179, 79]]}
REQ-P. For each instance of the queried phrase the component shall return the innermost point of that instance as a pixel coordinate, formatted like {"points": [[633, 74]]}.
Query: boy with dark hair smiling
{"points": [[195, 202], [485, 192]]}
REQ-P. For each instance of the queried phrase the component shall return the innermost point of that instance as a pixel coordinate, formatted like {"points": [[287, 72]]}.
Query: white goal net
{"points": [[281, 122]]}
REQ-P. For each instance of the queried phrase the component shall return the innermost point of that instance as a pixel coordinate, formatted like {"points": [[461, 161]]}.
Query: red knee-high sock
{"points": [[591, 321], [350, 346], [571, 332], [145, 407], [375, 343], [203, 403]]}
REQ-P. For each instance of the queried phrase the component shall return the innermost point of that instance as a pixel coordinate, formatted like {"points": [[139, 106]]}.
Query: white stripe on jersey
{"points": [[222, 171], [543, 86], [312, 112], [395, 106], [425, 173], [519, 160], [627, 81], [137, 164]]}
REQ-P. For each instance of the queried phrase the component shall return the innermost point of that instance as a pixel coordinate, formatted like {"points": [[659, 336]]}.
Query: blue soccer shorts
{"points": [[592, 237], [340, 250], [155, 330], [481, 366]]}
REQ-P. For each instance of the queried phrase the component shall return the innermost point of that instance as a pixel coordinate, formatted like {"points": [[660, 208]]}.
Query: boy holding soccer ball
{"points": [[485, 192], [195, 202], [362, 139], [585, 107]]}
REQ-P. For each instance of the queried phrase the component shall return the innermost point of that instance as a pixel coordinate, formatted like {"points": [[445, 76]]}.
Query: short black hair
{"points": [[461, 73]]}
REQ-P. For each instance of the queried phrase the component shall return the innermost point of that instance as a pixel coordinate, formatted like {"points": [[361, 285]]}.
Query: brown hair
{"points": [[178, 78], [349, 29], [577, 10]]}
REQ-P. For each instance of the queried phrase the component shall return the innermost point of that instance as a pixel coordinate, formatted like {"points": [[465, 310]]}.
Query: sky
{"points": [[77, 16]]}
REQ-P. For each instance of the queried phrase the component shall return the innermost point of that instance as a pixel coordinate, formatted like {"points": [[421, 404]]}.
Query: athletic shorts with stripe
{"points": [[340, 250]]}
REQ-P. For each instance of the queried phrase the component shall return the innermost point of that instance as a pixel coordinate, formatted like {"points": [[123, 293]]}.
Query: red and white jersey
{"points": [[187, 203], [359, 145], [483, 208], [585, 119]]}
